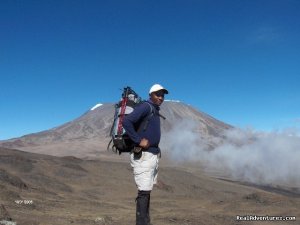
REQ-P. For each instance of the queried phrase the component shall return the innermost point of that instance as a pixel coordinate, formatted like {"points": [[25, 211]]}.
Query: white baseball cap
{"points": [[157, 87]]}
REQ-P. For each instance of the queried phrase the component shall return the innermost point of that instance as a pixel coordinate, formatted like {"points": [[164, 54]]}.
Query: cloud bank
{"points": [[267, 158]]}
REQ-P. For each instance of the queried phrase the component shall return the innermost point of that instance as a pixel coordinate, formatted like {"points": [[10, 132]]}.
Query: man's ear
{"points": [[151, 96]]}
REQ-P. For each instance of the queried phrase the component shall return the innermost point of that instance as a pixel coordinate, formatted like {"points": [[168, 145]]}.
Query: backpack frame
{"points": [[120, 140]]}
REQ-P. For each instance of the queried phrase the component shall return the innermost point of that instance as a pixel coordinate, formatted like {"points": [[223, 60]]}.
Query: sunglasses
{"points": [[160, 94]]}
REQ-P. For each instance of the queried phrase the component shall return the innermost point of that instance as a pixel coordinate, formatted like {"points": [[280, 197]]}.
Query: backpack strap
{"points": [[152, 110], [144, 124]]}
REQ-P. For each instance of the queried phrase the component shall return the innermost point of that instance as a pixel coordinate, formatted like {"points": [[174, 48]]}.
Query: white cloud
{"points": [[260, 157]]}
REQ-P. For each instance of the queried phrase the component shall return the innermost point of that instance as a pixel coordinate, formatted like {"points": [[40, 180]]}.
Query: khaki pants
{"points": [[145, 170]]}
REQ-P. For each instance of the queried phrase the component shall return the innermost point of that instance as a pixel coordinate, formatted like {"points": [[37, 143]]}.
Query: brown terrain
{"points": [[48, 190], [65, 176]]}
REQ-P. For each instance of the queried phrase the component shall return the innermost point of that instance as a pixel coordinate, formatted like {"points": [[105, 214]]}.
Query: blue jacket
{"points": [[152, 132]]}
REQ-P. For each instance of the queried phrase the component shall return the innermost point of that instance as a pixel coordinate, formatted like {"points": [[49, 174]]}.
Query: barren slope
{"points": [[69, 190], [88, 135]]}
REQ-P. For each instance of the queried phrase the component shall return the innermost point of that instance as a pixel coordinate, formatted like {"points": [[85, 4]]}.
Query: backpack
{"points": [[120, 140]]}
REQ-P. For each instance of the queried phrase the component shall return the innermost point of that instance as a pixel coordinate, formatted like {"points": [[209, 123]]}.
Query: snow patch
{"points": [[170, 100], [96, 106]]}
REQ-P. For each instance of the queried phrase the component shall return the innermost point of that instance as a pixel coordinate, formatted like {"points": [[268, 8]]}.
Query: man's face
{"points": [[157, 97]]}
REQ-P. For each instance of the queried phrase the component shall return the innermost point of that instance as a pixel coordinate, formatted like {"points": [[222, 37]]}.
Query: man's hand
{"points": [[144, 143]]}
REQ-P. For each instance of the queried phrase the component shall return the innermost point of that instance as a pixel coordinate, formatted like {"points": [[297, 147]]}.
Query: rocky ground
{"points": [[39, 189]]}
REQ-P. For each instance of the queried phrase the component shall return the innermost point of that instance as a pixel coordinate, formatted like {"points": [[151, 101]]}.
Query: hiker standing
{"points": [[145, 156]]}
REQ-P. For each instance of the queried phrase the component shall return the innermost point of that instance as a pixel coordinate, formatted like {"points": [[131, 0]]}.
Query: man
{"points": [[146, 137]]}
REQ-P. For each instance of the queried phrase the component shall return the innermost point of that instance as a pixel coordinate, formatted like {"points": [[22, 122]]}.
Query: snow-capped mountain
{"points": [[88, 135]]}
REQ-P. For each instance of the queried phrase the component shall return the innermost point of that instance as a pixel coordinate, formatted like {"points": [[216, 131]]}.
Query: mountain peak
{"points": [[88, 135]]}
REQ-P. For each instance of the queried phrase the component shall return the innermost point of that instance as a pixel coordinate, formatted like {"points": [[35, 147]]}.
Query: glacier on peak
{"points": [[170, 100], [96, 106]]}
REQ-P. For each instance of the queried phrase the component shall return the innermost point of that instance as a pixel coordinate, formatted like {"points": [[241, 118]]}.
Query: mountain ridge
{"points": [[89, 133]]}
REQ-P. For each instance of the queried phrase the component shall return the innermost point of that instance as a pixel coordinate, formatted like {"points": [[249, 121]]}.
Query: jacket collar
{"points": [[156, 106]]}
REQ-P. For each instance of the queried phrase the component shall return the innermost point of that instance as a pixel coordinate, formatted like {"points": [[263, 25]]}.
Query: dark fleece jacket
{"points": [[152, 132]]}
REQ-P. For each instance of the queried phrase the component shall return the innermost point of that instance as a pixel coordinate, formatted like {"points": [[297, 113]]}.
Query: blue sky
{"points": [[236, 60]]}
